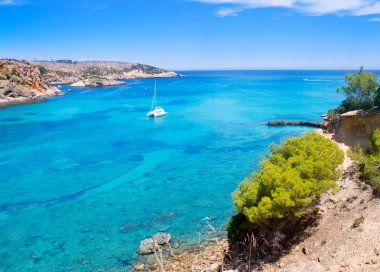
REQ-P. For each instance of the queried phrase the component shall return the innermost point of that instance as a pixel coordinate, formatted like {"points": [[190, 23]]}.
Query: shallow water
{"points": [[77, 168]]}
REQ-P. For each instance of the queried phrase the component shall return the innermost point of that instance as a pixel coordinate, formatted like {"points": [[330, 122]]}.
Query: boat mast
{"points": [[154, 97]]}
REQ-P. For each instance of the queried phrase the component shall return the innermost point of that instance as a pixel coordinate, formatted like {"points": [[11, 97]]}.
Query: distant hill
{"points": [[23, 81], [68, 71]]}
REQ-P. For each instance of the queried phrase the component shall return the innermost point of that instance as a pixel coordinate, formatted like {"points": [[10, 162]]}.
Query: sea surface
{"points": [[86, 176]]}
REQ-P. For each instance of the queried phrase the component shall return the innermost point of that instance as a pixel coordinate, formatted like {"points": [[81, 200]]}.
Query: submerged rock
{"points": [[125, 228], [175, 245], [147, 246], [162, 238], [36, 257]]}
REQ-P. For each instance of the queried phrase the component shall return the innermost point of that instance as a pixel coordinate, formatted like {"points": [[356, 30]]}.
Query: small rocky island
{"points": [[22, 82]]}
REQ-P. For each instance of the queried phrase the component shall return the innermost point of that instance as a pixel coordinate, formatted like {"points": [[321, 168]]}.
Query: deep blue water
{"points": [[75, 169]]}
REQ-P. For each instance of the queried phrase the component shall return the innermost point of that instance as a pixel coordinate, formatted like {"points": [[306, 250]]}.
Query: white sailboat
{"points": [[156, 111]]}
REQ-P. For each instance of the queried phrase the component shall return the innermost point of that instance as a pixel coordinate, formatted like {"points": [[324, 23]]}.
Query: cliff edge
{"points": [[355, 127], [21, 82]]}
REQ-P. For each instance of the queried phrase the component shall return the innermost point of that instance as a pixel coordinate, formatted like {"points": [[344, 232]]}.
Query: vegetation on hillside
{"points": [[275, 202], [43, 69], [369, 160], [362, 92]]}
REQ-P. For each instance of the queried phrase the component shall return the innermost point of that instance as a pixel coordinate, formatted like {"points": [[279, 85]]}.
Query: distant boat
{"points": [[156, 111]]}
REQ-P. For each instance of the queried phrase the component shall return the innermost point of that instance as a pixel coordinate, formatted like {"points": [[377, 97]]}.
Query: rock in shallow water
{"points": [[147, 246], [162, 238]]}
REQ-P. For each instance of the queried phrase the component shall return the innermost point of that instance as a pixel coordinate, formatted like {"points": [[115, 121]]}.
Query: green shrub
{"points": [[375, 141], [43, 69], [64, 74], [358, 221], [369, 161], [291, 178], [290, 181]]}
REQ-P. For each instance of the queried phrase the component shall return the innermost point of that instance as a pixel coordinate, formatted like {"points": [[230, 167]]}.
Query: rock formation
{"points": [[21, 82], [97, 82], [294, 123], [355, 127]]}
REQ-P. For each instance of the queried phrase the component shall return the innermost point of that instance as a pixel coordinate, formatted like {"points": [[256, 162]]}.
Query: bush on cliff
{"points": [[369, 161], [43, 69], [274, 202], [362, 92]]}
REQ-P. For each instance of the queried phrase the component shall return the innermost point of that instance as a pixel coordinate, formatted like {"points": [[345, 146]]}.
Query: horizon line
{"points": [[274, 69], [206, 69]]}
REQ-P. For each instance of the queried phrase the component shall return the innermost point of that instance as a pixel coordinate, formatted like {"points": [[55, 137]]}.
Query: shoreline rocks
{"points": [[147, 246], [162, 238], [295, 123], [150, 245], [22, 82], [97, 82]]}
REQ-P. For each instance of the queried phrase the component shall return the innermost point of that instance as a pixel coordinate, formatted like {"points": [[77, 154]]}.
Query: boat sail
{"points": [[156, 111]]}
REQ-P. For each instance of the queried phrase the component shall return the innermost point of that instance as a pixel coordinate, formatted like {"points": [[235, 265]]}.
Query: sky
{"points": [[196, 34]]}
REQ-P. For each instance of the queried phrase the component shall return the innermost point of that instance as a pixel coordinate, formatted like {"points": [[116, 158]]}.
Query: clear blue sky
{"points": [[196, 34]]}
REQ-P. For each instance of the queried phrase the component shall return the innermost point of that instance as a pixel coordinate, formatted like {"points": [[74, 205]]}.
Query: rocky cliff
{"points": [[103, 71], [22, 81], [355, 127]]}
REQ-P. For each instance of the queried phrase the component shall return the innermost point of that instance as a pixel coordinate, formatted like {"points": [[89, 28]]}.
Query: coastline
{"points": [[331, 244], [24, 82], [124, 247], [33, 99]]}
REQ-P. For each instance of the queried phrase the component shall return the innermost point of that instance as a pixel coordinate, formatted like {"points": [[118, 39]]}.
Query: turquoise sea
{"points": [[86, 176]]}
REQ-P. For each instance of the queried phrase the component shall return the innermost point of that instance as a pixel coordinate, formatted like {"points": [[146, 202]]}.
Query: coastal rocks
{"points": [[147, 246], [162, 238], [150, 245], [22, 82], [294, 123], [97, 82], [355, 127]]}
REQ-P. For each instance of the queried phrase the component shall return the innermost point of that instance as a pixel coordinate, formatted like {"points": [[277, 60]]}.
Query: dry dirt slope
{"points": [[335, 245]]}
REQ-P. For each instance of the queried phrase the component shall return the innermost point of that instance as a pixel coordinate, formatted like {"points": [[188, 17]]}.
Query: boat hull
{"points": [[157, 113]]}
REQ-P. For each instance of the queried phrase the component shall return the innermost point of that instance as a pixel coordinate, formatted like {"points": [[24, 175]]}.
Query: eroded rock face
{"points": [[22, 82], [355, 127]]}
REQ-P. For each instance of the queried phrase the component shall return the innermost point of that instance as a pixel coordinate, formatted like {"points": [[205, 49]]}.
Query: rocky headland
{"points": [[97, 73], [22, 82], [97, 82]]}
